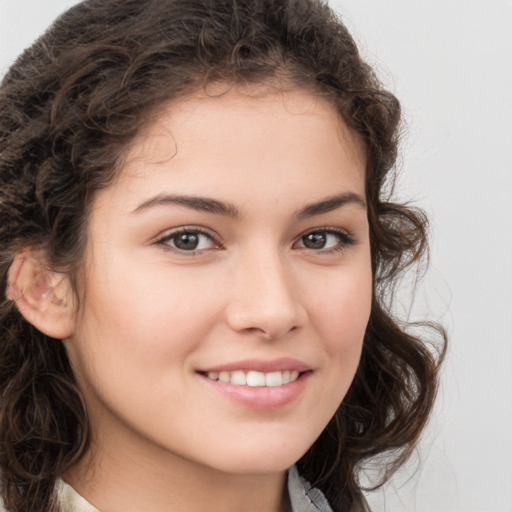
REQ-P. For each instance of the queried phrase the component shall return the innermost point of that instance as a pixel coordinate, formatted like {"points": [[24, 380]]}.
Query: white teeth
{"points": [[238, 378], [255, 379], [224, 376], [274, 379]]}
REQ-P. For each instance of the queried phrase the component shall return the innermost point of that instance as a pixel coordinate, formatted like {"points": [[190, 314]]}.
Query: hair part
{"points": [[69, 108]]}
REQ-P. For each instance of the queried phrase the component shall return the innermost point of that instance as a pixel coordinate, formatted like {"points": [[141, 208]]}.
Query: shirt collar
{"points": [[70, 501], [303, 497]]}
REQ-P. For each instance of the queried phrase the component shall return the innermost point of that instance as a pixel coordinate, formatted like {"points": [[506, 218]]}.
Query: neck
{"points": [[116, 480]]}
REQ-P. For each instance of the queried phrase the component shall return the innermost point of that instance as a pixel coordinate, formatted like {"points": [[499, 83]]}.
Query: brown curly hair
{"points": [[70, 106]]}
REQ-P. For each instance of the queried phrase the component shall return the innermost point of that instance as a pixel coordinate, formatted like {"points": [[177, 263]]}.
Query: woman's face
{"points": [[227, 284]]}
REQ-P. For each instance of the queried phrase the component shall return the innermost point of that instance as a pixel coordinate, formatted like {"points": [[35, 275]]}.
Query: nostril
{"points": [[265, 307]]}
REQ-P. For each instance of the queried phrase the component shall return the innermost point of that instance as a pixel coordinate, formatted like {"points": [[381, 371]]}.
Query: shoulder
{"points": [[306, 498], [70, 501]]}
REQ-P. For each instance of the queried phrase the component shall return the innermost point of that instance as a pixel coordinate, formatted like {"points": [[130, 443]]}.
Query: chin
{"points": [[266, 460]]}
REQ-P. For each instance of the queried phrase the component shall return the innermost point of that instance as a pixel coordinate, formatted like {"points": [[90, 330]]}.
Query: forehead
{"points": [[235, 116], [242, 143]]}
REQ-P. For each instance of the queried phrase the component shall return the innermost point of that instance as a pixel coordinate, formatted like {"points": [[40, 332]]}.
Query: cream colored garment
{"points": [[71, 501]]}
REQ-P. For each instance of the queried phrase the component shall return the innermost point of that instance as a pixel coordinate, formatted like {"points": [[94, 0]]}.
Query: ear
{"points": [[44, 298]]}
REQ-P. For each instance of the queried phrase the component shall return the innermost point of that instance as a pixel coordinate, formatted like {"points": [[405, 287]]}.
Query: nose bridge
{"points": [[265, 297]]}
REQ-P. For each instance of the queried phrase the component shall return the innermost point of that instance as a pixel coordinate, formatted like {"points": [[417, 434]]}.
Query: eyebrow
{"points": [[201, 204], [209, 205], [331, 203]]}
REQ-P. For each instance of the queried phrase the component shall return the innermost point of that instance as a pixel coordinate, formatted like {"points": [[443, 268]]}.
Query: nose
{"points": [[265, 298]]}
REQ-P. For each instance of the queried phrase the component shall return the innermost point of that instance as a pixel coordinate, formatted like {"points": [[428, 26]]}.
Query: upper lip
{"points": [[260, 365]]}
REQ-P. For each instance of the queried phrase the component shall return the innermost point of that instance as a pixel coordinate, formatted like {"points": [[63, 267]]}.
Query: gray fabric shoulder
{"points": [[303, 497]]}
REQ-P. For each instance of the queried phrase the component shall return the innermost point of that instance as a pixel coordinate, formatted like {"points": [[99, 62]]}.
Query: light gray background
{"points": [[450, 63]]}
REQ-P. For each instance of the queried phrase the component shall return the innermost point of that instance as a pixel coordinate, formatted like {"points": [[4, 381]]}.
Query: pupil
{"points": [[187, 241], [315, 240]]}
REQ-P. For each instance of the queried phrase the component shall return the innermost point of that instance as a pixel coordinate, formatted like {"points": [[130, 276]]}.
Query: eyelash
{"points": [[344, 240]]}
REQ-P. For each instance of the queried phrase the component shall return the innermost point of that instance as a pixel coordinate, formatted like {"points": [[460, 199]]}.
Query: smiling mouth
{"points": [[254, 378]]}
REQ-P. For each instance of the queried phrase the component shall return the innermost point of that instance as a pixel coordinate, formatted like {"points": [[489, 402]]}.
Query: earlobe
{"points": [[43, 297]]}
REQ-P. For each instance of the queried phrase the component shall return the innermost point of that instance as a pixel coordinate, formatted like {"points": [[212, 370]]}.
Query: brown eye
{"points": [[325, 240], [315, 240], [188, 241]]}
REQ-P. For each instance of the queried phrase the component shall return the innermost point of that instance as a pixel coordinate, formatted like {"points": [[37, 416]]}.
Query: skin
{"points": [[151, 315]]}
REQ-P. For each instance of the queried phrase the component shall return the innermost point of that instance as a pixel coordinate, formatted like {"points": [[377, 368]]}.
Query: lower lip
{"points": [[260, 397]]}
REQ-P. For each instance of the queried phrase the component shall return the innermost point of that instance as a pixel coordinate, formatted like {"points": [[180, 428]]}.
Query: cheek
{"points": [[341, 318], [137, 326], [343, 309], [135, 336], [149, 308]]}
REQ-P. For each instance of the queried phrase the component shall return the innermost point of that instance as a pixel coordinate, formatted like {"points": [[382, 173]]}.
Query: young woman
{"points": [[197, 259]]}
